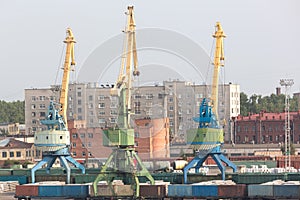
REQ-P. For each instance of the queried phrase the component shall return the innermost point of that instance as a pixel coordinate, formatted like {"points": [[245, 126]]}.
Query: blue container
{"points": [[205, 190], [180, 190], [260, 190], [287, 191], [66, 191], [21, 179]]}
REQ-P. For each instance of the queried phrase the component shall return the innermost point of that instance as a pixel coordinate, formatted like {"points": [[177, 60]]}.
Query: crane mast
{"points": [[69, 62], [123, 85], [218, 62]]}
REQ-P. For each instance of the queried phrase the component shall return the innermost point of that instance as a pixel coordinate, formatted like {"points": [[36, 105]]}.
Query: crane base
{"points": [[198, 161], [123, 163], [49, 158]]}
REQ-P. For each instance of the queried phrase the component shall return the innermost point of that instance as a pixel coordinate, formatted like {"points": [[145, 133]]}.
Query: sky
{"points": [[174, 41]]}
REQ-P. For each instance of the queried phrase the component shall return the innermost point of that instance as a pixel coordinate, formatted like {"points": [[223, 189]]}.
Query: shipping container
{"points": [[106, 191], [256, 178], [31, 190], [287, 191], [205, 190], [20, 179], [180, 190], [233, 191], [6, 172], [153, 191], [260, 191], [65, 191]]}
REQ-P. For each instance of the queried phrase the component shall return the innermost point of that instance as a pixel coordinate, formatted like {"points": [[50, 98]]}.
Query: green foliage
{"points": [[273, 103], [292, 149], [12, 112]]}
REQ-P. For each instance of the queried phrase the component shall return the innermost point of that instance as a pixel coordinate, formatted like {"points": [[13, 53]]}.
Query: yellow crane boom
{"points": [[218, 62], [124, 81], [69, 62]]}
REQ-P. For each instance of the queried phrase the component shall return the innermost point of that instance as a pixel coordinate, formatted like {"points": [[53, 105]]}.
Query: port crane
{"points": [[54, 142], [123, 162], [209, 136]]}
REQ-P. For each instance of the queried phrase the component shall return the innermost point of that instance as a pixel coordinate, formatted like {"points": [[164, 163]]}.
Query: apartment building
{"points": [[177, 100]]}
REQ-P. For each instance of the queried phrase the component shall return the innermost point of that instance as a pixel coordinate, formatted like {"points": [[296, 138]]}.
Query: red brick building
{"points": [[151, 140], [265, 128]]}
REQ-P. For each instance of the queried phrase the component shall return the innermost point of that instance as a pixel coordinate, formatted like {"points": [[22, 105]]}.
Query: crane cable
{"points": [[58, 68]]}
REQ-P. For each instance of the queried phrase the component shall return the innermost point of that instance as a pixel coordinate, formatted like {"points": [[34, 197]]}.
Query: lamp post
{"points": [[287, 83]]}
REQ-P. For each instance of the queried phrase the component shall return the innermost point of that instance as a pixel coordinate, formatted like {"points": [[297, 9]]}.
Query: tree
{"points": [[12, 112], [273, 103]]}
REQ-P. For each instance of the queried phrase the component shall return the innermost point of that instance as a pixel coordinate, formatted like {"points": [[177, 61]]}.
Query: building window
{"points": [[136, 134], [149, 96], [113, 105], [101, 97], [90, 98], [101, 105], [33, 98], [246, 139], [91, 113], [42, 98], [83, 153], [74, 145], [160, 96], [42, 106], [137, 96], [102, 120], [79, 94], [33, 114], [4, 154], [90, 105], [90, 135], [79, 102], [42, 114], [102, 112], [149, 112], [114, 98], [82, 135], [171, 99], [74, 153], [113, 112], [79, 110], [32, 106], [113, 120], [11, 154], [74, 135], [137, 110], [171, 108]]}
